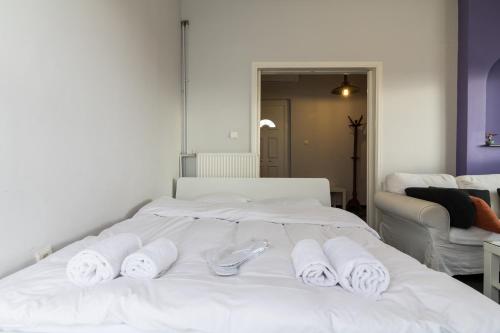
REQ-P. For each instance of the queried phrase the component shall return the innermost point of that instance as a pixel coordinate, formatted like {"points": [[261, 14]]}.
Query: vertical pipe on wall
{"points": [[184, 84], [184, 26]]}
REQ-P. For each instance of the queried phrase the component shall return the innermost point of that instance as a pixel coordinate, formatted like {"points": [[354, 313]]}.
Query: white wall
{"points": [[89, 116], [321, 140], [415, 39]]}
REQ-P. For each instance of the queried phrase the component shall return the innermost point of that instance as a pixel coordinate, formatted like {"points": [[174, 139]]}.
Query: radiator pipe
{"points": [[184, 86]]}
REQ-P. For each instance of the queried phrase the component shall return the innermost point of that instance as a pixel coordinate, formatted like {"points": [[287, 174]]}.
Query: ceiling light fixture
{"points": [[345, 89]]}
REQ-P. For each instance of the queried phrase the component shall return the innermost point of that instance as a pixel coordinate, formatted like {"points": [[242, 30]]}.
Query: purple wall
{"points": [[479, 50], [493, 100]]}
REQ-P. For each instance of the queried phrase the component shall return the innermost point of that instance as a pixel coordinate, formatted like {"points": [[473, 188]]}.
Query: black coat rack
{"points": [[353, 204]]}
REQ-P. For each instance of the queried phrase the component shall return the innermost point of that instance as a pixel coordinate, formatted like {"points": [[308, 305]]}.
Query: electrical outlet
{"points": [[42, 252]]}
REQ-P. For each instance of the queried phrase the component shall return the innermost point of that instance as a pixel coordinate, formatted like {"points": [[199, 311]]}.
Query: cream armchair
{"points": [[422, 229]]}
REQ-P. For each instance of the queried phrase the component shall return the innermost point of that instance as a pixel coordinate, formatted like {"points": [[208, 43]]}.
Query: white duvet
{"points": [[264, 297]]}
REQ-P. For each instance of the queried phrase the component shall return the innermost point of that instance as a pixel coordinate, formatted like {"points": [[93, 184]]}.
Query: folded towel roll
{"points": [[151, 261], [311, 265], [358, 270], [101, 261]]}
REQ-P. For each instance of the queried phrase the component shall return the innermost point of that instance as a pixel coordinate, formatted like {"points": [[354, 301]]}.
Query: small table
{"points": [[343, 192], [491, 284]]}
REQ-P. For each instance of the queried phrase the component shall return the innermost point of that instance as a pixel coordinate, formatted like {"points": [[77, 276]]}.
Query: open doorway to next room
{"points": [[314, 125]]}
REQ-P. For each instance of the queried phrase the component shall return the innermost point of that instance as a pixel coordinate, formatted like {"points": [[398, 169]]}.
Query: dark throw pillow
{"points": [[458, 204], [481, 194]]}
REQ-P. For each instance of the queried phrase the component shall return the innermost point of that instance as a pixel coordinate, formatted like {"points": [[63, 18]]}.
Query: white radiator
{"points": [[227, 165]]}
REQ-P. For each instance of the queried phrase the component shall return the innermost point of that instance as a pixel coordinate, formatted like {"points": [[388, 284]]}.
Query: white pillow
{"points": [[398, 182], [302, 202], [222, 198]]}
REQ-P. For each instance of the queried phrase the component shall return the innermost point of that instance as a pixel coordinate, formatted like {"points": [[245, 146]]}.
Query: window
{"points": [[268, 123]]}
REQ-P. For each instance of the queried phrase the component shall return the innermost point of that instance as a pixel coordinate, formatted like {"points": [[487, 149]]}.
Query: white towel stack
{"points": [[311, 264], [101, 261], [358, 271], [340, 261], [151, 261]]}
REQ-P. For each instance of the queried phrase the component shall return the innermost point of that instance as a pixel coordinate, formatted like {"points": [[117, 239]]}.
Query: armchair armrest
{"points": [[426, 213]]}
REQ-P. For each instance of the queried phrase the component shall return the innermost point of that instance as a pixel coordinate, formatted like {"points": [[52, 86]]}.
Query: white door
{"points": [[274, 138]]}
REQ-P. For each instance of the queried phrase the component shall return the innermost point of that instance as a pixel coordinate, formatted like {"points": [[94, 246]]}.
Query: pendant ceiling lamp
{"points": [[345, 89]]}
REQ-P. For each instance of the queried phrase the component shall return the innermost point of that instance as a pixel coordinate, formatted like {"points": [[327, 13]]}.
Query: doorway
{"points": [[373, 72], [320, 134]]}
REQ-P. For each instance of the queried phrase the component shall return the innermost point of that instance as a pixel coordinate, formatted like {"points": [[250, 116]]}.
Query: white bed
{"points": [[264, 297]]}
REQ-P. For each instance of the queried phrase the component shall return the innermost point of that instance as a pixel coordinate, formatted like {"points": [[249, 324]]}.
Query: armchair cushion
{"points": [[458, 204], [398, 182], [473, 236]]}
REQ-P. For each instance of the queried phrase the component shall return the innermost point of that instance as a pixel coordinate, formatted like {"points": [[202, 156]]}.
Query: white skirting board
{"points": [[227, 165]]}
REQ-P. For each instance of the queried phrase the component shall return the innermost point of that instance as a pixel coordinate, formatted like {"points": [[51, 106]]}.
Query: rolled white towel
{"points": [[358, 270], [151, 261], [101, 261], [311, 264]]}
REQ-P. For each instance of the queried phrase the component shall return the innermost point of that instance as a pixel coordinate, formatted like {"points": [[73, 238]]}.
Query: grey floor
{"points": [[475, 281]]}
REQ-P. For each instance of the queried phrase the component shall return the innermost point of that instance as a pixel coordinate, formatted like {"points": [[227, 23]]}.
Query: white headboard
{"points": [[256, 188]]}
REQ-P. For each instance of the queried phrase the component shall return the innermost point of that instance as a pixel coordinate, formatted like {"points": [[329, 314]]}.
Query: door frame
{"points": [[373, 70], [288, 134]]}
